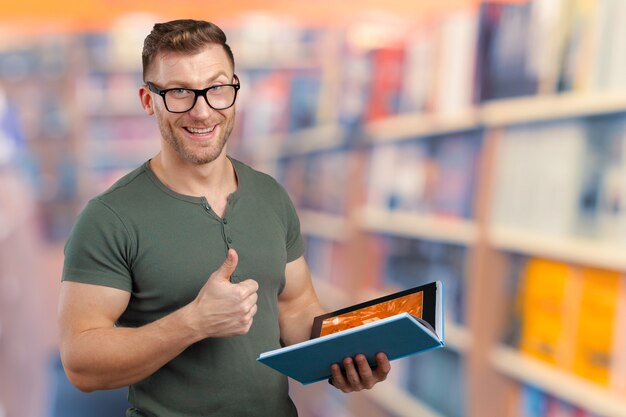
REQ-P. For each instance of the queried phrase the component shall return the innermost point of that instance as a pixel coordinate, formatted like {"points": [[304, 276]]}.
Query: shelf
{"points": [[423, 226], [569, 249], [534, 109], [458, 338], [315, 139], [328, 226], [495, 114], [407, 126], [558, 383], [399, 402], [396, 128]]}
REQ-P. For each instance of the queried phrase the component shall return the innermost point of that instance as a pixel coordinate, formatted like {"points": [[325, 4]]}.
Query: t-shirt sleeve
{"points": [[99, 249], [294, 242]]}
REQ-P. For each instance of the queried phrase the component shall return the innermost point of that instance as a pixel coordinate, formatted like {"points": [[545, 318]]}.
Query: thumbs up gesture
{"points": [[223, 308]]}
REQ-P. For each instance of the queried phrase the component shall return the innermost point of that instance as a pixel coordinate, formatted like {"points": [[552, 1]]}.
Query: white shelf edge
{"points": [[427, 226], [458, 338], [497, 113], [328, 226], [570, 249], [548, 107], [318, 138], [401, 403], [558, 383], [402, 126]]}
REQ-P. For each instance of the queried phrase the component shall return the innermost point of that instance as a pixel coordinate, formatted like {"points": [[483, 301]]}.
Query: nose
{"points": [[201, 108]]}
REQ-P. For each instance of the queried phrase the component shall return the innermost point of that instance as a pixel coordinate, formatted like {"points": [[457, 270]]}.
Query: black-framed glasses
{"points": [[181, 100]]}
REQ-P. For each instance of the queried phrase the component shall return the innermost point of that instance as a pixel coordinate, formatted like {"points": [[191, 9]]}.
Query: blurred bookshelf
{"points": [[513, 166], [483, 145]]}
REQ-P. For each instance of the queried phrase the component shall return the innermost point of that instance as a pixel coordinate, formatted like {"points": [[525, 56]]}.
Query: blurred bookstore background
{"points": [[481, 143]]}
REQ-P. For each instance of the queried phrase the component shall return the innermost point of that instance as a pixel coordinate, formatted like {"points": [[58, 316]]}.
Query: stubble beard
{"points": [[199, 154]]}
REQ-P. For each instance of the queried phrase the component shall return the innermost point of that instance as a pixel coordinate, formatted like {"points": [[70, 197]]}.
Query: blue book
{"points": [[398, 335]]}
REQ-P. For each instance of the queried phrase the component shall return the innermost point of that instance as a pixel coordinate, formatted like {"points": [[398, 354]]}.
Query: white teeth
{"points": [[200, 131]]}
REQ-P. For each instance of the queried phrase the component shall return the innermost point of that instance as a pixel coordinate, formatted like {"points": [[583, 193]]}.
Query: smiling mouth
{"points": [[199, 131]]}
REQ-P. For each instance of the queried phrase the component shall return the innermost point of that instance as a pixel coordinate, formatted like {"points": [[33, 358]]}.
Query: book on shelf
{"points": [[269, 113], [304, 98], [456, 160], [326, 258], [399, 325], [532, 402], [385, 89], [419, 75], [454, 62], [503, 50], [609, 144], [400, 176], [326, 179], [410, 262], [429, 175], [572, 317], [579, 50], [597, 325], [439, 382], [537, 177], [547, 299]]}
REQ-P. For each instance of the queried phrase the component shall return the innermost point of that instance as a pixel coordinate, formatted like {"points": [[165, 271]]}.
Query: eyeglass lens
{"points": [[182, 100]]}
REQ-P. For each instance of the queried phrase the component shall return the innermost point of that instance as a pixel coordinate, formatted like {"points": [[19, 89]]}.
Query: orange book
{"points": [[593, 357], [545, 306]]}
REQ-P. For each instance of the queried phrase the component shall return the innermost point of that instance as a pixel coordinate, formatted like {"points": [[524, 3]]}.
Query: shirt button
{"points": [[229, 240], [224, 221]]}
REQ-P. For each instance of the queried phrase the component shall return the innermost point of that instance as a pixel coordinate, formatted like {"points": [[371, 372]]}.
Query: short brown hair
{"points": [[184, 35]]}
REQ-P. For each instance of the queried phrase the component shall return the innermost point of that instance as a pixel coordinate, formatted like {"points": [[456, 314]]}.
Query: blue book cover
{"points": [[397, 336]]}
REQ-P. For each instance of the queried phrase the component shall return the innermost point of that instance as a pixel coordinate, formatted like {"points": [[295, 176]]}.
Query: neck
{"points": [[214, 181]]}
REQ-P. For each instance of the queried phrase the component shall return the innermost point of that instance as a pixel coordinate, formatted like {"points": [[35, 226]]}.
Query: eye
{"points": [[179, 92], [216, 89]]}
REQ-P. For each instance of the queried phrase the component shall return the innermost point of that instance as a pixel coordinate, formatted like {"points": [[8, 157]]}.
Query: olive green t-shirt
{"points": [[139, 236]]}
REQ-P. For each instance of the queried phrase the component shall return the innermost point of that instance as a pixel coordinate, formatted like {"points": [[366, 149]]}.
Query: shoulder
{"points": [[260, 181], [129, 183], [131, 193]]}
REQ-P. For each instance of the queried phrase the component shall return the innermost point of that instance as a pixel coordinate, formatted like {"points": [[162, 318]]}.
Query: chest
{"points": [[177, 250]]}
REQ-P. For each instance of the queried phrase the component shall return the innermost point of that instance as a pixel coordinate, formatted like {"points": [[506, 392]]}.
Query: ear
{"points": [[146, 100]]}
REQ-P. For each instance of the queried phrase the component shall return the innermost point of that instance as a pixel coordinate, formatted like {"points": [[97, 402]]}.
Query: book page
{"points": [[412, 304]]}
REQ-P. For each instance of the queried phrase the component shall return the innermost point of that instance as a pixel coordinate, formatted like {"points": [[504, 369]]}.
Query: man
{"points": [[179, 275]]}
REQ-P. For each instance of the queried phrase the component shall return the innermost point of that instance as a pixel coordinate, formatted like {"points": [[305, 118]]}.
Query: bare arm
{"points": [[98, 355], [298, 305]]}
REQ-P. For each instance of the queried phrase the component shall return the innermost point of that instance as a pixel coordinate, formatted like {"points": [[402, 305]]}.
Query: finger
{"points": [[365, 371], [352, 375], [252, 311], [251, 285], [228, 267], [383, 366], [338, 379]]}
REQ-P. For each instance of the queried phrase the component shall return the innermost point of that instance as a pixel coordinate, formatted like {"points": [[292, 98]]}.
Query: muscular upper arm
{"points": [[84, 307], [298, 303]]}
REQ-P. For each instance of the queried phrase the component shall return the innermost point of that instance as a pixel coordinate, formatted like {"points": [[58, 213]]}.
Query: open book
{"points": [[400, 324]]}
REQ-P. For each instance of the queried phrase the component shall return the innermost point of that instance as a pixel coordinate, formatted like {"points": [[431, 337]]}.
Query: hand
{"points": [[222, 308], [360, 376]]}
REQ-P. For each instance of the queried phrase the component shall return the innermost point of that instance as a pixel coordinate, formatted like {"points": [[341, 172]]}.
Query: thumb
{"points": [[228, 267]]}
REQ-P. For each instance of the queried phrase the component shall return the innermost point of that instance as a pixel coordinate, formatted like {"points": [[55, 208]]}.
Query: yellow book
{"points": [[599, 301], [545, 304]]}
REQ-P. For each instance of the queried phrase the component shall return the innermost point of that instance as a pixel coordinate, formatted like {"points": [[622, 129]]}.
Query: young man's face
{"points": [[199, 135]]}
